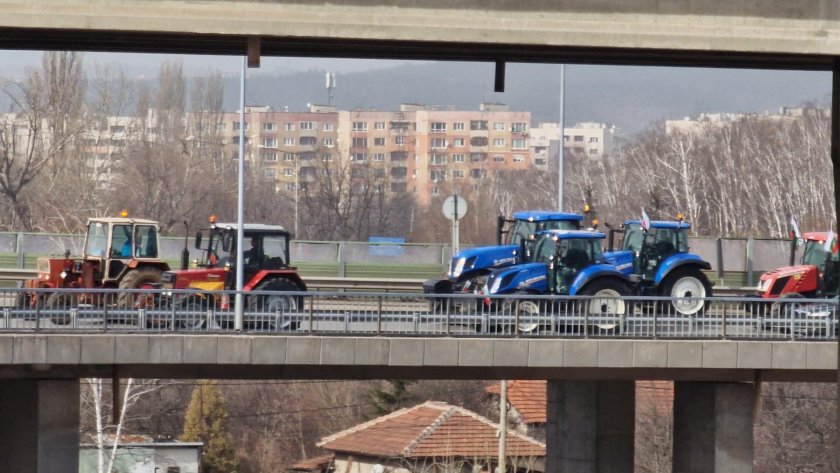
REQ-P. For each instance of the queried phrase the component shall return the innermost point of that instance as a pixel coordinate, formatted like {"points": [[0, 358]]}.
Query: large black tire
{"points": [[686, 283], [136, 279], [275, 302], [61, 302], [781, 312], [612, 290], [193, 316]]}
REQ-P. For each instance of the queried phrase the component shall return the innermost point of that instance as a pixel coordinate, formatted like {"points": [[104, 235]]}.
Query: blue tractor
{"points": [[658, 261], [469, 268]]}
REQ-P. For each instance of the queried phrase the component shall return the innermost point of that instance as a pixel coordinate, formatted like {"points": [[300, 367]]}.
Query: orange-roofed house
{"points": [[432, 437], [527, 406]]}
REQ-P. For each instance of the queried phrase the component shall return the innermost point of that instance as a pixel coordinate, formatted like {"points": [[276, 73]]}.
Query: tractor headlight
{"points": [[63, 275], [459, 267], [497, 283]]}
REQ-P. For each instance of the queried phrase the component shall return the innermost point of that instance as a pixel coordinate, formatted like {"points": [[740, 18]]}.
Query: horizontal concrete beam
{"points": [[249, 356], [774, 27]]}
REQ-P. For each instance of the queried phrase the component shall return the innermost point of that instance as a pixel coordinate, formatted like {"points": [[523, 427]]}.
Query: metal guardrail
{"points": [[413, 314]]}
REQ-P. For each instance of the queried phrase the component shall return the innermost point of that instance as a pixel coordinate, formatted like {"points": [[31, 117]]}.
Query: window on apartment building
{"points": [[498, 158], [378, 172], [478, 125], [220, 127], [326, 157], [458, 174], [379, 188], [269, 142], [360, 143], [326, 172], [289, 141], [498, 142], [458, 142], [288, 156], [593, 151], [308, 141], [438, 143], [499, 126], [269, 126], [458, 126], [478, 173], [437, 175], [173, 469], [290, 187], [236, 126], [399, 172], [379, 156], [236, 140], [478, 157], [399, 140], [308, 173], [593, 139], [478, 141], [519, 144], [379, 142], [117, 129], [288, 172], [518, 158], [307, 125], [438, 127], [269, 156], [360, 126], [458, 158], [379, 126], [358, 172], [519, 127], [435, 190], [565, 138], [307, 155], [269, 173], [358, 157], [288, 127], [328, 127], [539, 161], [437, 159], [398, 187], [578, 137], [328, 142], [399, 155]]}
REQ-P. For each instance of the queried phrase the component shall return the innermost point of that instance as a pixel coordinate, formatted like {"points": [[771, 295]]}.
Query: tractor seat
{"points": [[664, 248]]}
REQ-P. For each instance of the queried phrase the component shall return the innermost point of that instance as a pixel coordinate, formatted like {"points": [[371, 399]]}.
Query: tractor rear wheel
{"points": [[274, 303], [139, 278], [606, 301], [686, 283]]}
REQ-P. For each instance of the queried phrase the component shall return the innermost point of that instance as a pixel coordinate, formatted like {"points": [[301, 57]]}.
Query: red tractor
{"points": [[815, 276], [266, 268], [120, 253]]}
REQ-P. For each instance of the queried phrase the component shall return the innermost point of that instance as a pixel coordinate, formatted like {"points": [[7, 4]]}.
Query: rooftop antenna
{"points": [[330, 87]]}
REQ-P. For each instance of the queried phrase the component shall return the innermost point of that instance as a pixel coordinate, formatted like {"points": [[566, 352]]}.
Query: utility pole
{"points": [[562, 126], [240, 203], [502, 425]]}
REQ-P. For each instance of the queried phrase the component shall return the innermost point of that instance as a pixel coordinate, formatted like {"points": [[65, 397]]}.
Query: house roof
{"points": [[528, 397], [312, 464], [431, 429]]}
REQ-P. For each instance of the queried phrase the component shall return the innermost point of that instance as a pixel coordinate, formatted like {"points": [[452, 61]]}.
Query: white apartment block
{"points": [[590, 139]]}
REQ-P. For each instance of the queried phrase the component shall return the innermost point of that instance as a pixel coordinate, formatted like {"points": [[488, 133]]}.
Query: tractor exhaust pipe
{"points": [[185, 253]]}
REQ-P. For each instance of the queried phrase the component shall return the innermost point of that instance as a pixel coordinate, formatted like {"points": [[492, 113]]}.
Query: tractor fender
{"points": [[678, 261], [596, 271], [437, 286], [265, 274]]}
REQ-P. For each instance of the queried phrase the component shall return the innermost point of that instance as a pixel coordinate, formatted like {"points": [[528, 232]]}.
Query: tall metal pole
{"points": [[835, 163], [502, 425], [297, 191], [455, 236], [240, 202], [562, 126]]}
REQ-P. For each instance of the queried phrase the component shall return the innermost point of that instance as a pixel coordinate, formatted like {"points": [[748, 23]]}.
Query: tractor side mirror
{"points": [[197, 240], [226, 242]]}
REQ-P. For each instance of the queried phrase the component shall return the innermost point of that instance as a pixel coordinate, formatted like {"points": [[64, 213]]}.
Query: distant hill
{"points": [[630, 97]]}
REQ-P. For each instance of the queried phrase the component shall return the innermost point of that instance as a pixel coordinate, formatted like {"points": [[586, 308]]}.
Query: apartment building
{"points": [[589, 139], [706, 122]]}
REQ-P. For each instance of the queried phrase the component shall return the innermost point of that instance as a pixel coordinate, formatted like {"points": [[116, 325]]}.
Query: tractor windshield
{"points": [[523, 229], [97, 239], [572, 256], [544, 250], [633, 238], [814, 254]]}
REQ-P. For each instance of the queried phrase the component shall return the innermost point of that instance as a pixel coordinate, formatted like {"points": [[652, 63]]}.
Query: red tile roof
{"points": [[528, 397], [431, 429], [312, 464]]}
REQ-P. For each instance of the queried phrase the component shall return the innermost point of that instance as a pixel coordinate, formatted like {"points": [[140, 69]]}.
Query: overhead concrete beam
{"points": [[771, 27]]}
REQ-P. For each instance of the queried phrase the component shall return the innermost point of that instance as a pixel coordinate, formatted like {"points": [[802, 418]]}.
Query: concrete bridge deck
{"points": [[299, 357]]}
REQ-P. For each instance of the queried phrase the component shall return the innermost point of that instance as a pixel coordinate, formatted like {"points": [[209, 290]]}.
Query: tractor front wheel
{"points": [[276, 303], [59, 304]]}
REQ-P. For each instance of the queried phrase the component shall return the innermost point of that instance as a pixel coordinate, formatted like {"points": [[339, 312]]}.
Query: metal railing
{"points": [[413, 314]]}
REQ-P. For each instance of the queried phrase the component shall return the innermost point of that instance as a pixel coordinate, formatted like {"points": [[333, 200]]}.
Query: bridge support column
{"points": [[39, 426], [713, 427], [590, 426]]}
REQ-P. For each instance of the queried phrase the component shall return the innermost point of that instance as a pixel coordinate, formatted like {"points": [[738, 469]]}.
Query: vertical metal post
{"points": [[835, 163], [379, 315], [750, 244], [342, 259], [561, 153], [719, 254], [502, 425], [240, 203], [21, 258]]}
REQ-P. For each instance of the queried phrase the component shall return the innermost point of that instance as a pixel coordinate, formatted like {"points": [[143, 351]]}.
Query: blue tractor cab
{"points": [[658, 261], [469, 268]]}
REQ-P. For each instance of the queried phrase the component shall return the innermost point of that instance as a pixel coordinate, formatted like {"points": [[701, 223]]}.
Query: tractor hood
{"points": [[205, 279], [799, 279], [481, 258], [530, 277]]}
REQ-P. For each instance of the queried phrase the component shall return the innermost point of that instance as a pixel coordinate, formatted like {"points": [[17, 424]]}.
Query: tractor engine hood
{"points": [[206, 279], [484, 257], [798, 279]]}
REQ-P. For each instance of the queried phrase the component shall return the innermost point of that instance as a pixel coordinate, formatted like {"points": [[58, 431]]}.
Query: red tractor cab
{"points": [[266, 268], [815, 276]]}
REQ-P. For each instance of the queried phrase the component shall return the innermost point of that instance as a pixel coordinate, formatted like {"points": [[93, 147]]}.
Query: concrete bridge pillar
{"points": [[590, 426], [713, 427], [39, 426]]}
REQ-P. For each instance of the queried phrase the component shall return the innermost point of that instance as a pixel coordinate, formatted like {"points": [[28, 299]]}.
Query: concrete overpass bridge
{"points": [[590, 392]]}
